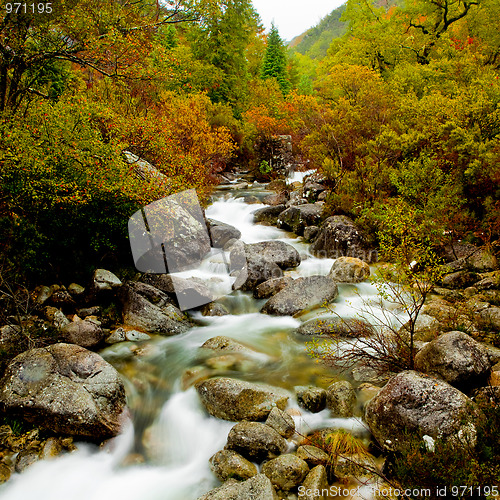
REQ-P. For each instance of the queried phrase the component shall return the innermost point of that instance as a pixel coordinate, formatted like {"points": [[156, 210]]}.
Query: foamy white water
{"points": [[177, 434]]}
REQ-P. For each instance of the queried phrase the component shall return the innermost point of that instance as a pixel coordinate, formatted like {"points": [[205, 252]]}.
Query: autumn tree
{"points": [[107, 37]]}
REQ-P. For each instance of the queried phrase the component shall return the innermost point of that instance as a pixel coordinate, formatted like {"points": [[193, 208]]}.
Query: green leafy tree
{"points": [[221, 37], [275, 60]]}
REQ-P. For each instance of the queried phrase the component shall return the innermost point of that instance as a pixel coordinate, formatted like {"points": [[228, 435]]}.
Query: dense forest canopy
{"points": [[403, 108]]}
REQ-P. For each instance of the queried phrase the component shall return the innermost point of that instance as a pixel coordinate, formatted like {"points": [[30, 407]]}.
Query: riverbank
{"points": [[164, 376]]}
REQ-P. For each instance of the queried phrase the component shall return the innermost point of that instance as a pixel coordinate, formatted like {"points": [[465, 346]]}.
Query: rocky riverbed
{"points": [[223, 402]]}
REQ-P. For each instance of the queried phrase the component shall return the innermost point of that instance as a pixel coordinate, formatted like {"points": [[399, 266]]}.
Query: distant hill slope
{"points": [[316, 40]]}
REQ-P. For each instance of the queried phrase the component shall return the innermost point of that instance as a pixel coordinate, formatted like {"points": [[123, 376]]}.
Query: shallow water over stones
{"points": [[165, 452]]}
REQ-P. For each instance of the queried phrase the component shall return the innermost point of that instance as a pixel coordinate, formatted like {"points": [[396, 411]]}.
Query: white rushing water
{"points": [[177, 435]]}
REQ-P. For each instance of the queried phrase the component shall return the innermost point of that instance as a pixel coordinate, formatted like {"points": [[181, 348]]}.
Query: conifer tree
{"points": [[275, 60]]}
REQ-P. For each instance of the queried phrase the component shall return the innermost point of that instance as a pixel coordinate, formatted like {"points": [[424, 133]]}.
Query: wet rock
{"points": [[460, 279], [490, 318], [76, 290], [271, 287], [227, 464], [312, 189], [251, 200], [62, 299], [51, 449], [268, 215], [253, 272], [56, 317], [89, 311], [366, 392], [5, 473], [297, 218], [139, 313], [303, 294], [281, 422], [214, 309], [312, 399], [456, 358], [339, 236], [126, 335], [286, 471], [83, 333], [276, 198], [234, 400], [467, 256], [349, 270], [412, 404], [296, 198], [426, 328], [489, 281], [280, 253], [315, 484], [255, 441], [258, 262], [258, 487], [25, 458], [335, 327], [341, 399], [67, 389], [221, 233], [104, 280], [41, 294], [186, 292], [312, 455], [226, 344], [310, 232], [367, 374], [9, 336]]}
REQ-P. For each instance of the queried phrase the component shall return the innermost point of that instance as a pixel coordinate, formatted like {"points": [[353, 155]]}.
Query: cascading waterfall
{"points": [[164, 453]]}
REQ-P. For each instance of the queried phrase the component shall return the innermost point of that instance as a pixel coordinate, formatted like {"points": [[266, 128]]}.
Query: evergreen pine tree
{"points": [[275, 60]]}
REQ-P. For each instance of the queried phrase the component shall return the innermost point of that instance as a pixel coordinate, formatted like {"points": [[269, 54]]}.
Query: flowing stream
{"points": [[165, 451]]}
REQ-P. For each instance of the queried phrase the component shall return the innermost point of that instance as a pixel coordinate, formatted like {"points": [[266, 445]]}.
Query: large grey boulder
{"points": [[182, 291], [339, 236], [286, 471], [490, 318], [467, 256], [139, 313], [255, 441], [258, 487], [349, 270], [298, 217], [413, 405], [221, 233], [268, 215], [256, 263], [456, 358], [460, 279], [227, 464], [66, 389], [282, 254], [303, 294], [83, 333], [234, 400]]}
